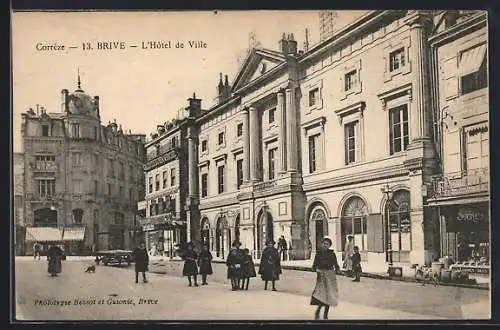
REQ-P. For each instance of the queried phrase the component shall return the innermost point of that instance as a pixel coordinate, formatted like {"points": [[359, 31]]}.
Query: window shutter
{"points": [[375, 233], [453, 160], [449, 71]]}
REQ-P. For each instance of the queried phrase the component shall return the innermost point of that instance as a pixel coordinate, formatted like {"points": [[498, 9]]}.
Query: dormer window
{"points": [[75, 131], [45, 130]]}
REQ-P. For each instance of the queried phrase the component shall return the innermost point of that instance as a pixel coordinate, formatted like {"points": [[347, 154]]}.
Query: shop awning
{"points": [[74, 234], [460, 200], [43, 234], [471, 60]]}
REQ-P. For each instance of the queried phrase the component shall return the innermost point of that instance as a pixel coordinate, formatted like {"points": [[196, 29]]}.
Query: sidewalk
{"points": [[369, 270]]}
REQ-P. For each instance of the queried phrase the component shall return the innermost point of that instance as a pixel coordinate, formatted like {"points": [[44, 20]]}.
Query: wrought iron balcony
{"points": [[461, 183], [44, 166]]}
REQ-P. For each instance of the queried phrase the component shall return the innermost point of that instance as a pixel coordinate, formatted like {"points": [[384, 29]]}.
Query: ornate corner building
{"points": [[345, 138], [82, 180]]}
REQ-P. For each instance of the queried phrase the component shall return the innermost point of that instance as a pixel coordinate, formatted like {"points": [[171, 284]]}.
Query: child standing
{"points": [[247, 269], [356, 264], [205, 263]]}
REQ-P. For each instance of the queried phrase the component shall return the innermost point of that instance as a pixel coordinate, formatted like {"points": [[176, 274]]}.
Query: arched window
{"points": [[77, 215], [400, 225], [353, 222]]}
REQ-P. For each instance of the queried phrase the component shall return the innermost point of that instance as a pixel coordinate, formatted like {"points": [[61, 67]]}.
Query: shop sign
{"points": [[148, 227], [469, 216], [472, 269]]}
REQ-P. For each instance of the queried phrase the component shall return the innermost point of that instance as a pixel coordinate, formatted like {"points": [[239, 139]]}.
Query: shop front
{"points": [[466, 233], [163, 235]]}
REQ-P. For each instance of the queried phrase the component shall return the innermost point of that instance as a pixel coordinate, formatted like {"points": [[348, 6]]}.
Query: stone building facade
{"points": [[461, 192], [167, 169], [82, 179], [337, 140], [18, 202]]}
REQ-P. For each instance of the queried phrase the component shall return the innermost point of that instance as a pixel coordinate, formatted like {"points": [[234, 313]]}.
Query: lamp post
{"points": [[386, 190]]}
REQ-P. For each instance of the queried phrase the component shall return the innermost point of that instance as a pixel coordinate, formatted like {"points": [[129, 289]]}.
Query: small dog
{"points": [[90, 269], [426, 275]]}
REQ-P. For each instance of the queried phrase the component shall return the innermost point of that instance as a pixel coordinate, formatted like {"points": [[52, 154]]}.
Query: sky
{"points": [[140, 88]]}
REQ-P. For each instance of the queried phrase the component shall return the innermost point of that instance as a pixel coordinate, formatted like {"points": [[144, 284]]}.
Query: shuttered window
{"points": [[375, 233]]}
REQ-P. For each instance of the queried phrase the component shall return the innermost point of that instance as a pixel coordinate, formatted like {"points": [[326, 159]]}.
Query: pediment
{"points": [[258, 63]]}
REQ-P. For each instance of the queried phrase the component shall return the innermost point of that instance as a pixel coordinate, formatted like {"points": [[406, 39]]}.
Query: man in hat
{"points": [[348, 253], [234, 262], [141, 260], [270, 265]]}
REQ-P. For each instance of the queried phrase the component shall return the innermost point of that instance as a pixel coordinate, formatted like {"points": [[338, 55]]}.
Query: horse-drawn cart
{"points": [[114, 257]]}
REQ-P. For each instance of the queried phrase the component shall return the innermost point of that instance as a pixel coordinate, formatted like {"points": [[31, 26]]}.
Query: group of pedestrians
{"points": [[240, 266]]}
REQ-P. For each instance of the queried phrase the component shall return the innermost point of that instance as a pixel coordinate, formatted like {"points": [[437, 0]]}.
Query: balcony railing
{"points": [[264, 185], [461, 183], [44, 166]]}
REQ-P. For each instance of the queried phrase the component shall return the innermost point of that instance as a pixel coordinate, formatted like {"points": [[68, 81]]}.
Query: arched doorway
{"points": [[45, 217], [399, 225], [222, 237], [353, 222], [205, 232], [237, 228], [318, 227], [265, 230], [77, 215]]}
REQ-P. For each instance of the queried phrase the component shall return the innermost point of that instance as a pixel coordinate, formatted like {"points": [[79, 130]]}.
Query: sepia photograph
{"points": [[255, 165]]}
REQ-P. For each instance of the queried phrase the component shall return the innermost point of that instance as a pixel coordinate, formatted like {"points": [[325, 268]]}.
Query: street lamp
{"points": [[387, 191]]}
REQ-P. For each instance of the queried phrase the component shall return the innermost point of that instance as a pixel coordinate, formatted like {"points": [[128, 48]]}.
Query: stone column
{"points": [[254, 145], [192, 219], [282, 111], [246, 146], [419, 125], [291, 130]]}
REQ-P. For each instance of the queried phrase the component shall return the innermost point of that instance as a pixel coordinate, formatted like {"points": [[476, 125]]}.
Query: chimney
{"points": [[194, 108], [64, 101], [96, 105], [227, 88], [220, 87], [292, 45], [283, 44]]}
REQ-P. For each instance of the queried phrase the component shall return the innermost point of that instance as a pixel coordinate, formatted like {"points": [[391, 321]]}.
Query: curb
{"points": [[368, 275]]}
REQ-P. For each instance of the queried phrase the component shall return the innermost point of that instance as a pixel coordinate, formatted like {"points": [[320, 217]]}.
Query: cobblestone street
{"points": [[167, 297]]}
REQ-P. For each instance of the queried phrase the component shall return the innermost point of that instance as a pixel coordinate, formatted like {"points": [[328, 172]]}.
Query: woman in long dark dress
{"points": [[141, 260], [234, 262], [54, 257], [190, 267], [270, 265], [325, 293], [205, 263], [247, 269]]}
